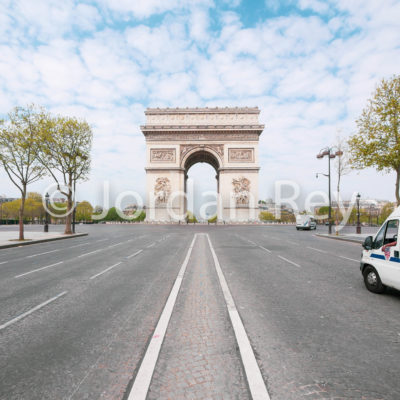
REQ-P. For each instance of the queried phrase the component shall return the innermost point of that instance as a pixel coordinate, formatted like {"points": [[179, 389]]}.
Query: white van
{"points": [[305, 222], [380, 263]]}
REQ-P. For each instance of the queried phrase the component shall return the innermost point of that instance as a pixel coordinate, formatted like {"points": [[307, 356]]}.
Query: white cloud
{"points": [[307, 74]]}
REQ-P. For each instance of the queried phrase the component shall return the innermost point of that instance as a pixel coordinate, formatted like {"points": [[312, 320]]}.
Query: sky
{"points": [[309, 65]]}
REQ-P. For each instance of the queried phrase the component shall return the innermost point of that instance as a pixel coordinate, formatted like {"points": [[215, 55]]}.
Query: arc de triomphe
{"points": [[225, 138]]}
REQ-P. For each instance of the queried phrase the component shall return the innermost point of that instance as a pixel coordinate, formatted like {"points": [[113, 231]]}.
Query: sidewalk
{"points": [[10, 238], [199, 358], [347, 237]]}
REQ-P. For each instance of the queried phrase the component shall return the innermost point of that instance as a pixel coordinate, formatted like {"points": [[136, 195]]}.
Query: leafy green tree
{"points": [[141, 216], [18, 151], [65, 152], [377, 143], [11, 209], [84, 211], [266, 216], [387, 209], [34, 209], [112, 215], [190, 217]]}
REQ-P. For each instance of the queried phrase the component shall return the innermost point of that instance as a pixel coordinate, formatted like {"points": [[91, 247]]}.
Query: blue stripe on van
{"points": [[382, 257]]}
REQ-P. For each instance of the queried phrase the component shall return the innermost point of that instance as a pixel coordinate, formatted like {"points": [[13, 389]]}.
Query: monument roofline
{"points": [[203, 110]]}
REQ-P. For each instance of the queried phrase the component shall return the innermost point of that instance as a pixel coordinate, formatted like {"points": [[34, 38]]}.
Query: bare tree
{"points": [[18, 149]]}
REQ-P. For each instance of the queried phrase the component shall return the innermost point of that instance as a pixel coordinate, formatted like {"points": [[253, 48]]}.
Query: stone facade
{"points": [[226, 138]]}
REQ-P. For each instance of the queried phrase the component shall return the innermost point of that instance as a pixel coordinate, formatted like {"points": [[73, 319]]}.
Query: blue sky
{"points": [[309, 65]]}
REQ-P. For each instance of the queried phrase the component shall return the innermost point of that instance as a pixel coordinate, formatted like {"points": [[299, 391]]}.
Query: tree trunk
{"points": [[21, 215], [397, 186], [68, 219]]}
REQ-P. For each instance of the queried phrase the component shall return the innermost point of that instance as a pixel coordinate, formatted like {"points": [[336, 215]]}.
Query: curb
{"points": [[340, 238], [6, 246]]}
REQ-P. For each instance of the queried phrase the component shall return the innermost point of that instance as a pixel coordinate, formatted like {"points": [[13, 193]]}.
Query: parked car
{"points": [[380, 262]]}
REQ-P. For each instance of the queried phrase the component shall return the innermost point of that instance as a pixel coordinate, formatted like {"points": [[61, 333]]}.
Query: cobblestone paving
{"points": [[199, 358]]}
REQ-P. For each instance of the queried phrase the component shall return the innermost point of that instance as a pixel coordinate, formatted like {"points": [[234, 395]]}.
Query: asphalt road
{"points": [[89, 307]]}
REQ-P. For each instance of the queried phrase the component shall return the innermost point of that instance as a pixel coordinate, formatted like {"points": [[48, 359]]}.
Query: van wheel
{"points": [[372, 280], [297, 229]]}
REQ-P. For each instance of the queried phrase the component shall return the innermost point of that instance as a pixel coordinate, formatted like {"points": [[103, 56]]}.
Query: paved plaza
{"points": [[80, 317]]}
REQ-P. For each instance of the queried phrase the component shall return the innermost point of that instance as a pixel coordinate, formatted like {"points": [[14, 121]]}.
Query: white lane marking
{"points": [[291, 262], [91, 252], [254, 378], [313, 248], [106, 270], [114, 245], [261, 247], [40, 254], [38, 269], [3, 262], [350, 259], [251, 242], [150, 245], [101, 240], [143, 378], [38, 307], [134, 254], [78, 245]]}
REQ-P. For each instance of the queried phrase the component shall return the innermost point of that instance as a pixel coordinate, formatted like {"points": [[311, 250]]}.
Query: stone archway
{"points": [[200, 154], [226, 138]]}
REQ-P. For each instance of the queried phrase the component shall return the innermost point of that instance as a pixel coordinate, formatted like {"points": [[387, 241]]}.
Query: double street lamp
{"points": [[330, 153]]}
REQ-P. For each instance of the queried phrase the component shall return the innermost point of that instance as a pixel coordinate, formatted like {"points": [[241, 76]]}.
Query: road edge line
{"points": [[142, 380], [254, 377]]}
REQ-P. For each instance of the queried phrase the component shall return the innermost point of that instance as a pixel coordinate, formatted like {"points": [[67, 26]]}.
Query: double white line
{"points": [[254, 378]]}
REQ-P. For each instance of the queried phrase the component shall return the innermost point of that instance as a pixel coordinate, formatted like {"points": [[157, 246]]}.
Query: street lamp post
{"points": [[358, 214], [329, 152], [46, 221]]}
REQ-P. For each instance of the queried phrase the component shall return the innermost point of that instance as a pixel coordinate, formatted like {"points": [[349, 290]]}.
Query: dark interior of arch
{"points": [[202, 156]]}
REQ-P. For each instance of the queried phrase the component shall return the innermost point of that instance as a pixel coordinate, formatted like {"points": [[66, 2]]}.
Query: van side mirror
{"points": [[368, 242]]}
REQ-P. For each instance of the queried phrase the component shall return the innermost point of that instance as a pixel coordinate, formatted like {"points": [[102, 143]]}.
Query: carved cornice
{"points": [[197, 128], [227, 136], [203, 110]]}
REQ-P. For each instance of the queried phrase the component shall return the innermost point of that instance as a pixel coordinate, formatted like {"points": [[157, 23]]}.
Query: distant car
{"points": [[305, 222]]}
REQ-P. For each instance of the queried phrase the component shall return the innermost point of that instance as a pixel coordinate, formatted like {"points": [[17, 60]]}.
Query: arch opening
{"points": [[201, 178]]}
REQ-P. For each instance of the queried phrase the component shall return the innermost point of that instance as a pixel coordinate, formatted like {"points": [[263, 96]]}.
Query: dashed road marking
{"points": [[25, 314], [106, 270], [134, 254], [150, 245], [40, 254], [291, 262], [3, 262], [143, 378], [38, 269], [263, 248], [115, 245], [313, 248], [91, 252], [350, 259], [254, 378], [78, 245]]}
